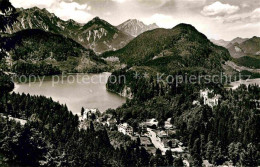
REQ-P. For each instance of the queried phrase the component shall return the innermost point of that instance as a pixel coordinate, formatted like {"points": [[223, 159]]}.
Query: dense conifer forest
{"points": [[228, 131], [51, 137], [36, 131]]}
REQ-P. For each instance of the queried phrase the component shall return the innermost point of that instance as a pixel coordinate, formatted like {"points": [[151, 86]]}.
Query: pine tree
{"points": [[169, 157]]}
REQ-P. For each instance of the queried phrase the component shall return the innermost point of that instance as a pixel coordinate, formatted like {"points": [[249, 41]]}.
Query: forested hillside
{"points": [[182, 46], [51, 137], [226, 132], [218, 134], [248, 61], [43, 53], [178, 51]]}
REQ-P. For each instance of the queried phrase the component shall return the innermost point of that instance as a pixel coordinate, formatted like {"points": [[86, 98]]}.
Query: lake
{"points": [[247, 82], [75, 90]]}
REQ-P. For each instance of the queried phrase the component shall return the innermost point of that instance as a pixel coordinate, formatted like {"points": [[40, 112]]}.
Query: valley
{"points": [[132, 95]]}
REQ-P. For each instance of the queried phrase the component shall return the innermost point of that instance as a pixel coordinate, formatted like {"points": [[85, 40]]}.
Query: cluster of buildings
{"points": [[151, 136], [209, 98], [126, 129]]}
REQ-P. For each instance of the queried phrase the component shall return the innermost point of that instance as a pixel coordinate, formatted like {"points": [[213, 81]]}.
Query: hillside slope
{"points": [[181, 51], [247, 47], [33, 48], [182, 46], [101, 36]]}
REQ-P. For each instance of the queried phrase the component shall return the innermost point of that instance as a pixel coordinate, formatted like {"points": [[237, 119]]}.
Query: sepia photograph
{"points": [[129, 83]]}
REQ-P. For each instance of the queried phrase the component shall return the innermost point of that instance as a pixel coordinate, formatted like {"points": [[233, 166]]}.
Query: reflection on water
{"points": [[76, 91]]}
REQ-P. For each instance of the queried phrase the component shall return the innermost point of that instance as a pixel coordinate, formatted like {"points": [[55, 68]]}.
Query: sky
{"points": [[217, 19]]}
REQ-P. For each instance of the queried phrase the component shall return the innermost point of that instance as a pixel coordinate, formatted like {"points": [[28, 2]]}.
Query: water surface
{"points": [[247, 82], [76, 91]]}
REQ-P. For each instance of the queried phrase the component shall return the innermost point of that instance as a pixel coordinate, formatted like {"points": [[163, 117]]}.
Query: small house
{"points": [[90, 114], [152, 122], [125, 129]]}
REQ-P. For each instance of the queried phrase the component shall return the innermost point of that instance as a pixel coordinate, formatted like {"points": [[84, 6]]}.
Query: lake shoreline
{"points": [[236, 84], [76, 94]]}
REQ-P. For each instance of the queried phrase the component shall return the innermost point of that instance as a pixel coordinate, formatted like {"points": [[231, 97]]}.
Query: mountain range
{"points": [[135, 27], [97, 34], [133, 42], [240, 47], [170, 49], [244, 47], [220, 42], [226, 44]]}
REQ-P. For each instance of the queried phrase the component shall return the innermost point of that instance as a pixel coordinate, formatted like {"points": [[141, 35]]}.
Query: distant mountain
{"points": [[238, 40], [171, 49], [220, 42], [29, 49], [181, 51], [251, 46], [244, 47], [97, 34], [101, 36], [135, 27], [35, 18]]}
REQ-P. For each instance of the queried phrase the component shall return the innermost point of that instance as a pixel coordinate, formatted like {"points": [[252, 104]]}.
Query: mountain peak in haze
{"points": [[135, 27], [238, 40], [220, 42], [240, 47]]}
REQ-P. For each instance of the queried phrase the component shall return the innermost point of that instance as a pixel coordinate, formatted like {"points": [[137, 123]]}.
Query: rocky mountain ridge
{"points": [[135, 27], [97, 34]]}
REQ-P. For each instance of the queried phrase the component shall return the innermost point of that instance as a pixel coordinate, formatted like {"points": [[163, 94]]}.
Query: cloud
{"points": [[249, 17], [32, 3], [218, 8], [119, 1], [256, 14], [64, 10], [72, 10], [161, 20], [245, 5], [189, 3]]}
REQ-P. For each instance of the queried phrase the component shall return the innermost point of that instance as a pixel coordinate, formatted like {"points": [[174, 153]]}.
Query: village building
{"points": [[88, 113], [161, 135], [167, 124], [169, 143], [111, 122], [151, 122], [210, 101], [145, 141], [143, 129], [125, 129]]}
